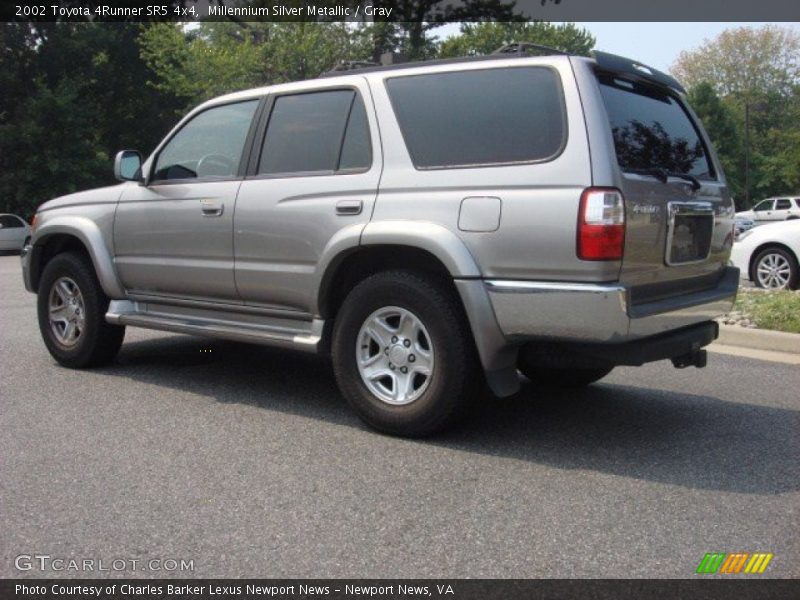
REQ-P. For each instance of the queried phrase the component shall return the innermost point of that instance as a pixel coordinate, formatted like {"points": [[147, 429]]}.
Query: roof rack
{"points": [[521, 49]]}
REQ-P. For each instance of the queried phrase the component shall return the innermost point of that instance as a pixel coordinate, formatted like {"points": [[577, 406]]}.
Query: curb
{"points": [[759, 339]]}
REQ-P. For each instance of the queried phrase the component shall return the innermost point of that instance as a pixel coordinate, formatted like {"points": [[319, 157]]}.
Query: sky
{"points": [[654, 44]]}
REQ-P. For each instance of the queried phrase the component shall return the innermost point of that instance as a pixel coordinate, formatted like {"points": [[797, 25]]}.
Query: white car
{"points": [[768, 255], [780, 208], [13, 232]]}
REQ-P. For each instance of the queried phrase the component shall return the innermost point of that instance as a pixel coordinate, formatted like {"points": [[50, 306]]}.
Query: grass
{"points": [[777, 310]]}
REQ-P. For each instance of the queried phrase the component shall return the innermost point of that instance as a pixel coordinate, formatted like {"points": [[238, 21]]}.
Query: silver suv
{"points": [[431, 226]]}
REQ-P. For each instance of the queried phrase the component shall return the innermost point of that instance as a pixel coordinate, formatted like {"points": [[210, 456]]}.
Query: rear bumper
{"points": [[600, 313], [681, 345], [587, 324]]}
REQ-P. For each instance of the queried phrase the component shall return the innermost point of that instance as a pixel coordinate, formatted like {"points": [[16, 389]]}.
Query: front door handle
{"points": [[349, 207], [211, 208]]}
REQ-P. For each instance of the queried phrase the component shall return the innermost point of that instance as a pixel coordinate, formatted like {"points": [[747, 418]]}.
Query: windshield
{"points": [[651, 130]]}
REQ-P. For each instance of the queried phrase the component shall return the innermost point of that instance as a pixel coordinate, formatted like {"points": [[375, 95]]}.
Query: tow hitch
{"points": [[696, 358]]}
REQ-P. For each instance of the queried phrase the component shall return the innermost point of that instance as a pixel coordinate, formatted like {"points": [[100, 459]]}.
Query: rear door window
{"points": [[317, 132], [480, 117], [783, 204], [652, 130]]}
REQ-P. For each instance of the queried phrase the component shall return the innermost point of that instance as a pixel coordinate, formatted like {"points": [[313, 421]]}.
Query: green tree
{"points": [[719, 123], [415, 20], [485, 38], [73, 95], [746, 62], [217, 58], [776, 159], [755, 71], [195, 66]]}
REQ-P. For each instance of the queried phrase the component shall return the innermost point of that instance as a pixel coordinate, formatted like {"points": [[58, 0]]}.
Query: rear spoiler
{"points": [[626, 66]]}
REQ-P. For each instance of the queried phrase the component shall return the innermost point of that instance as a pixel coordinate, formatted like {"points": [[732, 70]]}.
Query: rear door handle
{"points": [[211, 208], [349, 207]]}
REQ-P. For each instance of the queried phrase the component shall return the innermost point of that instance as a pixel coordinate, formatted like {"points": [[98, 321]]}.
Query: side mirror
{"points": [[128, 165]]}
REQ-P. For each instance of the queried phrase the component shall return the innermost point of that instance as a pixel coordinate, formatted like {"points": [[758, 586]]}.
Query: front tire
{"points": [[403, 354], [71, 309]]}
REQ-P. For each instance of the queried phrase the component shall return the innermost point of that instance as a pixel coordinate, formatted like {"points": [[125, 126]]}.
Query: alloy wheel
{"points": [[66, 311], [773, 271], [395, 355]]}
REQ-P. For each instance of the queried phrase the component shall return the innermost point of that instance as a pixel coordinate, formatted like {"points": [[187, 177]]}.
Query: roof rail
{"points": [[351, 65], [521, 48], [392, 61]]}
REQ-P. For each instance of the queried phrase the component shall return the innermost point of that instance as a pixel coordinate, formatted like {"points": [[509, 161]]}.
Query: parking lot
{"points": [[246, 461]]}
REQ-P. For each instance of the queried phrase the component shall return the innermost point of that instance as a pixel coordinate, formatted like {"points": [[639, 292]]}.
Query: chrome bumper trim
{"points": [[590, 312], [502, 286]]}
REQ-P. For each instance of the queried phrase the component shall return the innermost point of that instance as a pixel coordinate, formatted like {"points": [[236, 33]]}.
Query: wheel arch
{"points": [[356, 264], [357, 252], [62, 234]]}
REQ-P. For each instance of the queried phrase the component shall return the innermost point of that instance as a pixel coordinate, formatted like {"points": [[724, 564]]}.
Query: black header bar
{"points": [[402, 10]]}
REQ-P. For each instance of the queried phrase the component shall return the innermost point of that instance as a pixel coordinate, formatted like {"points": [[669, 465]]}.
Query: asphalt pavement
{"points": [[247, 462]]}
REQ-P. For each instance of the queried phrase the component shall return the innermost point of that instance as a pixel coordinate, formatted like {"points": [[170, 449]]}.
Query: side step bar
{"points": [[287, 334]]}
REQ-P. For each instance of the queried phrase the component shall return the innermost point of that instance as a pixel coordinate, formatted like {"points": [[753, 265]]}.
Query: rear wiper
{"points": [[663, 176]]}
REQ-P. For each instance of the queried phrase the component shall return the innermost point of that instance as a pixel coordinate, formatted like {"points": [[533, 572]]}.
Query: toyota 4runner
{"points": [[424, 224]]}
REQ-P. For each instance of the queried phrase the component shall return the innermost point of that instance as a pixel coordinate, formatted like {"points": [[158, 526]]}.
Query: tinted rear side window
{"points": [[356, 148], [482, 117], [652, 130], [316, 132]]}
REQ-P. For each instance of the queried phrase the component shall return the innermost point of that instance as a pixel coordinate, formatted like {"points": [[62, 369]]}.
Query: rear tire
{"points": [[71, 309], [404, 321], [562, 378]]}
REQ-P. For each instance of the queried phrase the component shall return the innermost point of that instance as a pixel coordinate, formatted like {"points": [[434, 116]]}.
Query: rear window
{"points": [[652, 130], [481, 117]]}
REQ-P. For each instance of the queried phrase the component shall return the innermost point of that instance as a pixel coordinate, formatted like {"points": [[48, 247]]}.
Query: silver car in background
{"points": [[13, 233]]}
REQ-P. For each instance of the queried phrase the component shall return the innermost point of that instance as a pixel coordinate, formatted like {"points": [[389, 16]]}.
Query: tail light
{"points": [[33, 221], [601, 224]]}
